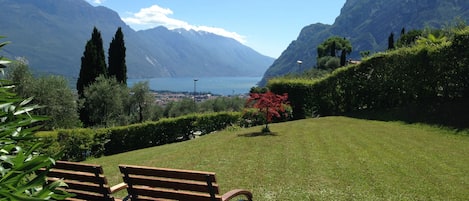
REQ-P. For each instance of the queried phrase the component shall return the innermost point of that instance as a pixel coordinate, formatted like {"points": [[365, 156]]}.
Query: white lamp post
{"points": [[299, 62]]}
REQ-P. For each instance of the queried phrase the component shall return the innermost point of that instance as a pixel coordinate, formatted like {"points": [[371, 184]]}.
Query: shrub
{"points": [[19, 159], [77, 144]]}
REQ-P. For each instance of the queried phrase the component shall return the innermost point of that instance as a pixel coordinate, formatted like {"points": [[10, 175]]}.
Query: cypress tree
{"points": [[391, 41], [333, 49], [93, 62], [117, 66], [343, 57], [93, 65]]}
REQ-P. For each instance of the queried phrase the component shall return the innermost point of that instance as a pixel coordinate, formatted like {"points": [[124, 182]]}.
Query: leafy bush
{"points": [[271, 105], [19, 159], [77, 144]]}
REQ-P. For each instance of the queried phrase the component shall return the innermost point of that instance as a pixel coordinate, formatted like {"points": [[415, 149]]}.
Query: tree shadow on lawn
{"points": [[451, 114], [258, 134]]}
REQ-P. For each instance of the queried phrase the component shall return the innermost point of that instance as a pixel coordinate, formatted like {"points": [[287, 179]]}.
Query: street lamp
{"points": [[299, 62], [195, 91]]}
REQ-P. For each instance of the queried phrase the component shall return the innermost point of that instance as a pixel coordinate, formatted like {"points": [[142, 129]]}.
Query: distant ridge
{"points": [[52, 34]]}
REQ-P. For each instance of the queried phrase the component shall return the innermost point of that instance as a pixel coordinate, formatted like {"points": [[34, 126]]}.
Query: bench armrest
{"points": [[236, 192], [118, 187]]}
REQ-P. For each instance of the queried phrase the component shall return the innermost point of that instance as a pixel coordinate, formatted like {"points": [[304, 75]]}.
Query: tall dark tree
{"points": [[93, 62], [391, 41], [117, 66], [343, 57], [93, 65], [333, 49]]}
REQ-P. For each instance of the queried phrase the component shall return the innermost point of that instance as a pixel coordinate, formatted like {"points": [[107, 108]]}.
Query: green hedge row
{"points": [[419, 74], [77, 144]]}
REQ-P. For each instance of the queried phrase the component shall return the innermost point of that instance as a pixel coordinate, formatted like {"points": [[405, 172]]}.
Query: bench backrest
{"points": [[150, 183], [86, 181]]}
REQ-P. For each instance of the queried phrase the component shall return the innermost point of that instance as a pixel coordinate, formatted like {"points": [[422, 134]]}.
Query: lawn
{"points": [[329, 158]]}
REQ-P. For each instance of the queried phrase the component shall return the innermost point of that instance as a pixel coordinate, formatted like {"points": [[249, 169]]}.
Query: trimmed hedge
{"points": [[420, 74], [77, 144]]}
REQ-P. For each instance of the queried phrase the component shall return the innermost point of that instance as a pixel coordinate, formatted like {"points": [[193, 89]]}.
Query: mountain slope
{"points": [[367, 24], [52, 35], [201, 53]]}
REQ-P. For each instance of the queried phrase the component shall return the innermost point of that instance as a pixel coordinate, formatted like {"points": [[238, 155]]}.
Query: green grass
{"points": [[331, 158]]}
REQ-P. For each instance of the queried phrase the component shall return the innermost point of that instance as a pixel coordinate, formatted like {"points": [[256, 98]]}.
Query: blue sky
{"points": [[267, 26]]}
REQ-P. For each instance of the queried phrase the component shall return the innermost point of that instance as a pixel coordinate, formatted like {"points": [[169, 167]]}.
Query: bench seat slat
{"points": [[91, 187], [172, 194], [83, 195], [170, 173], [86, 181], [78, 176], [172, 184], [79, 167]]}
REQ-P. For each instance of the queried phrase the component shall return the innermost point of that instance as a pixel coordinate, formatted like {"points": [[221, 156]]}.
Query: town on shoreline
{"points": [[162, 98]]}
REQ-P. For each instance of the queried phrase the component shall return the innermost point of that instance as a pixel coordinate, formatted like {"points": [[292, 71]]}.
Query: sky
{"points": [[267, 26]]}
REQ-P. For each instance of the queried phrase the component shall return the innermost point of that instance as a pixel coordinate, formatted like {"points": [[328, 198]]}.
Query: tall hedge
{"points": [[77, 144], [419, 74]]}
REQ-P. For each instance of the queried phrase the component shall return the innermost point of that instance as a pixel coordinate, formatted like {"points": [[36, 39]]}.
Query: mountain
{"points": [[51, 35], [367, 24], [199, 53]]}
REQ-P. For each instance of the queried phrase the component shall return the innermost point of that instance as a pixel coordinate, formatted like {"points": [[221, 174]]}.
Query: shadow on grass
{"points": [[451, 114], [257, 134]]}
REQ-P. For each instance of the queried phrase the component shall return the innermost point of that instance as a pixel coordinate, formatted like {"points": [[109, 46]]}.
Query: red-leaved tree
{"points": [[270, 104]]}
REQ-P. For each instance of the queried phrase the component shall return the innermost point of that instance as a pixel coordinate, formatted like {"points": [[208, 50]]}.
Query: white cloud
{"points": [[157, 16], [96, 2]]}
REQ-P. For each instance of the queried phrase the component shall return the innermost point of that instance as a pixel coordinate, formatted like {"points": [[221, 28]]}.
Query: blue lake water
{"points": [[215, 85]]}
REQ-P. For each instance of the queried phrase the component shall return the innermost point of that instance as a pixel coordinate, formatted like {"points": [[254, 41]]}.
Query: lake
{"points": [[215, 85]]}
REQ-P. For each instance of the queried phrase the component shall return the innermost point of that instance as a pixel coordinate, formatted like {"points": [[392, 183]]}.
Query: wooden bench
{"points": [[86, 181], [150, 183]]}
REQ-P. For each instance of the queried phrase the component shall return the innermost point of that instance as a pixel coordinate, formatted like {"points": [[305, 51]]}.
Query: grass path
{"points": [[331, 158]]}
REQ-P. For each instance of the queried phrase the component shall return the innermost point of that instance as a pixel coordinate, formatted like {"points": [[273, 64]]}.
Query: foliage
{"points": [[251, 117], [142, 103], [332, 45], [328, 51], [180, 108], [365, 54], [19, 159], [93, 63], [78, 144], [269, 104], [328, 63], [391, 45], [58, 101], [409, 38], [420, 74], [117, 67], [301, 93], [19, 73], [217, 104], [221, 104], [51, 92], [105, 102]]}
